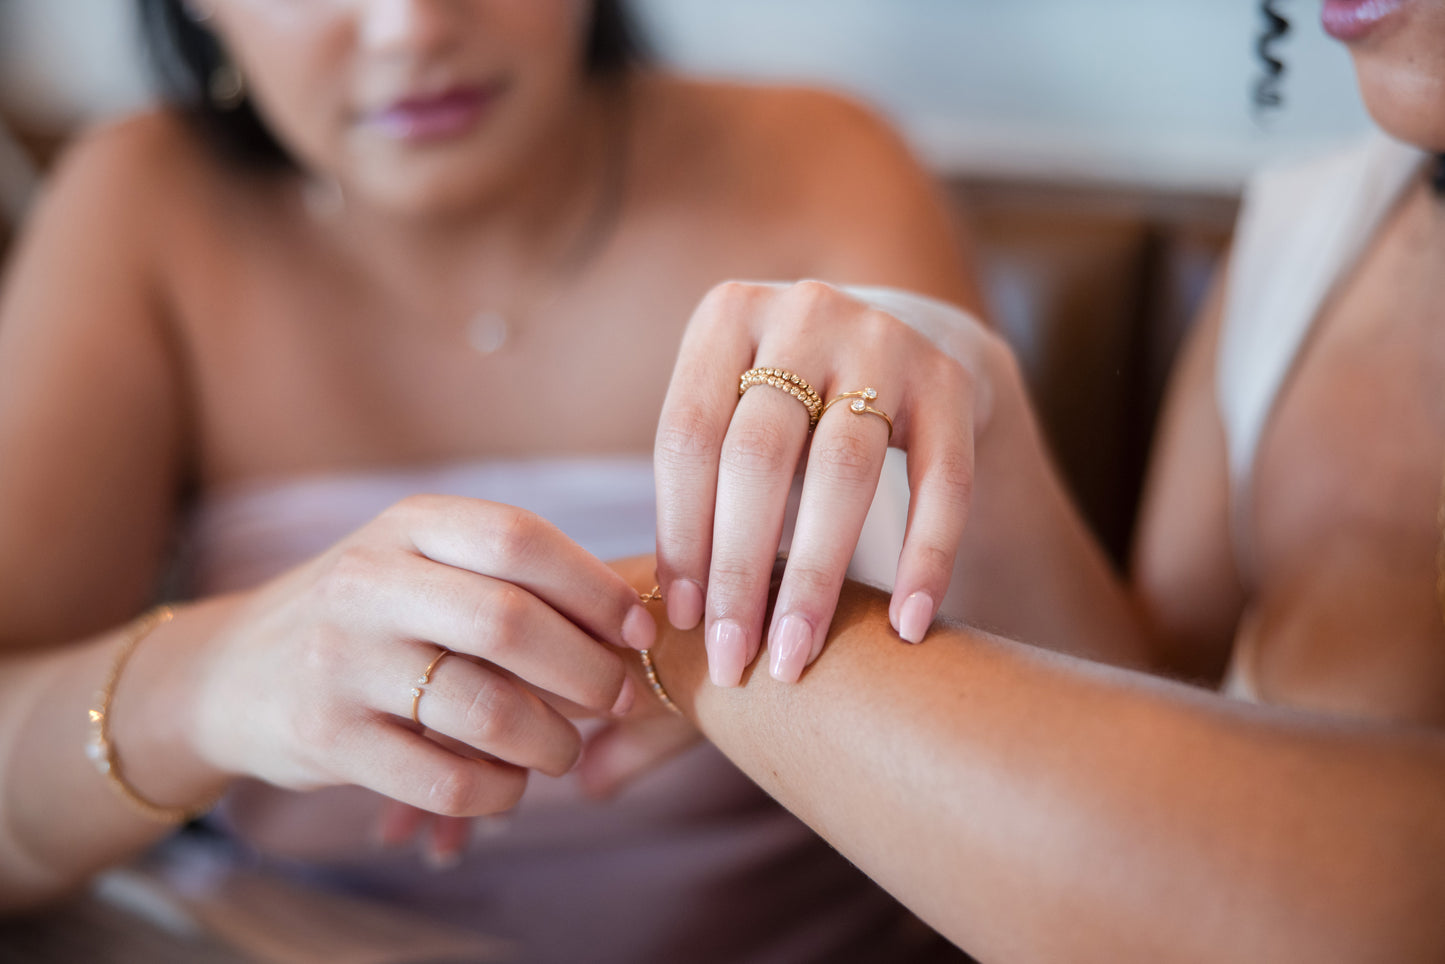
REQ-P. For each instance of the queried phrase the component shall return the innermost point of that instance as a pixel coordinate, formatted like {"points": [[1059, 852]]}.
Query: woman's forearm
{"points": [[1033, 806], [60, 820]]}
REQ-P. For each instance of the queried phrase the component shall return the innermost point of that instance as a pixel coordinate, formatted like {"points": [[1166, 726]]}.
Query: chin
{"points": [[1408, 103]]}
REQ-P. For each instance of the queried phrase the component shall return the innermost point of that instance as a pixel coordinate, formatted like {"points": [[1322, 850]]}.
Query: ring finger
{"points": [[485, 708]]}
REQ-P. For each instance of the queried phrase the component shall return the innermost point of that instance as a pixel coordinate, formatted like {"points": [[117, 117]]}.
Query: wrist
{"points": [[154, 720]]}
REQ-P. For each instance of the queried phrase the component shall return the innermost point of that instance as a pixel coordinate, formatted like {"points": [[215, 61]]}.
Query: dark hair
{"points": [[1267, 88], [184, 55]]}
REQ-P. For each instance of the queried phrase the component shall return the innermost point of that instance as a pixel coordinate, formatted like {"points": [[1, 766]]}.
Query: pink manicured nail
{"points": [[625, 698], [726, 652], [791, 645], [915, 616], [639, 629], [684, 603]]}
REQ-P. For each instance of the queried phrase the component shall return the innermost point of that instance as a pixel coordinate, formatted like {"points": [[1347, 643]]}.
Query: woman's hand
{"points": [[311, 684], [725, 464]]}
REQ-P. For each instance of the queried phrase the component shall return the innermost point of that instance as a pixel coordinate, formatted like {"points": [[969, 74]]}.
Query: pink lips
{"points": [[1351, 19], [435, 117]]}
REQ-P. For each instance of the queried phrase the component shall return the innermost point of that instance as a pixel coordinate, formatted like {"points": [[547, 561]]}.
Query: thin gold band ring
{"points": [[860, 405]]}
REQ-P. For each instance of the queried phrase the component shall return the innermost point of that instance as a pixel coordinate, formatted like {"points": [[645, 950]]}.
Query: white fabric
{"points": [[1300, 231]]}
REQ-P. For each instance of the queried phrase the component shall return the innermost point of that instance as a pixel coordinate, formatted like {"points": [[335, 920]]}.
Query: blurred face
{"points": [[418, 106], [1399, 51]]}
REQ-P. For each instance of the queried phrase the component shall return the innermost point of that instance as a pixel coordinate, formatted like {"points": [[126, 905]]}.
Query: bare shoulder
{"points": [[805, 132], [830, 178], [138, 151]]}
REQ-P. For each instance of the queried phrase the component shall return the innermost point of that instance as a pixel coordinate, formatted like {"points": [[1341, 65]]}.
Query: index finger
{"points": [[522, 548]]}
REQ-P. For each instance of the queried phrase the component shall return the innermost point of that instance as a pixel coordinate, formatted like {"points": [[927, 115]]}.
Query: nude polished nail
{"points": [[790, 646], [726, 652], [914, 617], [684, 603]]}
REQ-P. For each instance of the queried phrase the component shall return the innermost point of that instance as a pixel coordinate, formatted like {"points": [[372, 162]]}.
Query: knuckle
{"points": [[453, 791], [491, 717], [954, 475], [936, 558], [758, 448], [733, 579], [813, 295], [500, 621], [813, 582], [876, 330], [686, 436], [848, 459], [350, 581], [728, 293], [515, 535]]}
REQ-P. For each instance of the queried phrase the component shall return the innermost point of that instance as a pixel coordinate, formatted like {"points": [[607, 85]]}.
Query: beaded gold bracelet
{"points": [[649, 668], [101, 750]]}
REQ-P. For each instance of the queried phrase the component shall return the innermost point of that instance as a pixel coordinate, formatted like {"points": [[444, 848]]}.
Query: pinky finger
{"points": [[940, 479]]}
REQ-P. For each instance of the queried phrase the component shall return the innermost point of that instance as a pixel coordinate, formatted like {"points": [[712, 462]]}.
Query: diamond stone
{"points": [[869, 394], [858, 405]]}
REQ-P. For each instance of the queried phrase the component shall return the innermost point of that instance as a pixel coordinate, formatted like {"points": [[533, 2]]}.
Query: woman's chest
{"points": [[1346, 500], [323, 368]]}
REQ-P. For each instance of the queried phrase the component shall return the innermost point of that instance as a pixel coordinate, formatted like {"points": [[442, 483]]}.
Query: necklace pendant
{"points": [[487, 332]]}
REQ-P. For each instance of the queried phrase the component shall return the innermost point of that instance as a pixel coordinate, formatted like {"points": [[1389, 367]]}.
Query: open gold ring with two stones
{"points": [[860, 405]]}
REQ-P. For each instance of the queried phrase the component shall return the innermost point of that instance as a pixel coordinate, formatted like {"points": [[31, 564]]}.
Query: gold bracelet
{"points": [[648, 667], [101, 750]]}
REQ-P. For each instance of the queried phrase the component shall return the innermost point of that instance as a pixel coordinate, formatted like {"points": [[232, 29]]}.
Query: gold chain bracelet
{"points": [[648, 667], [101, 750]]}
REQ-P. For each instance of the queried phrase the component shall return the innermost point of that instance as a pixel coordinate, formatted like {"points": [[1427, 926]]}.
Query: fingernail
{"points": [[791, 645], [915, 616], [625, 698], [726, 652], [684, 603], [639, 629]]}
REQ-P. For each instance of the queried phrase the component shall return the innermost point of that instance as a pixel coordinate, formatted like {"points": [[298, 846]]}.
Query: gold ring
{"points": [[860, 405], [784, 381], [422, 681]]}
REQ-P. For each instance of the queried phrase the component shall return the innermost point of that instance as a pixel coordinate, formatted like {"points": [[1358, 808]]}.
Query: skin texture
{"points": [[222, 334], [1036, 806]]}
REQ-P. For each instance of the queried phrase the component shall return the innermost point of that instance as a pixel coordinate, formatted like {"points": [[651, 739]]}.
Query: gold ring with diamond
{"points": [[422, 681], [860, 405]]}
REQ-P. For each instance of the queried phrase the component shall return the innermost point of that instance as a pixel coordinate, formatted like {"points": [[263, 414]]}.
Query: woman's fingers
{"points": [[490, 712], [487, 618], [759, 457], [844, 463], [695, 416], [408, 767], [940, 479], [524, 549]]}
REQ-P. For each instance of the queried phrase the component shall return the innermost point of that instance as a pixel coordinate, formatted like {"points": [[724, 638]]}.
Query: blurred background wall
{"points": [[1095, 148]]}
